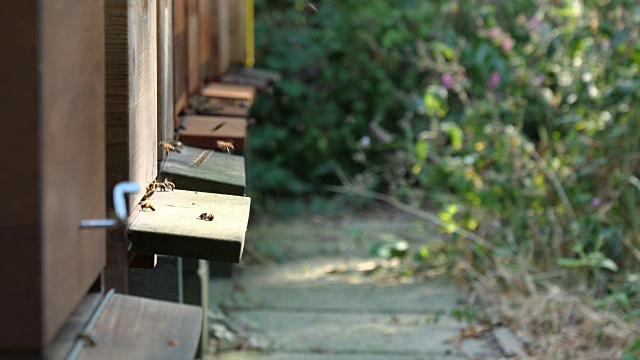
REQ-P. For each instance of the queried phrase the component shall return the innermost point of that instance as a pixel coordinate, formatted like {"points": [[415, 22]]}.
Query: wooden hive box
{"points": [[174, 227], [204, 131], [230, 91], [206, 170]]}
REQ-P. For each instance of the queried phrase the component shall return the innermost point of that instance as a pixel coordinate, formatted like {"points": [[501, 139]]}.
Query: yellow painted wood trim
{"points": [[249, 33]]}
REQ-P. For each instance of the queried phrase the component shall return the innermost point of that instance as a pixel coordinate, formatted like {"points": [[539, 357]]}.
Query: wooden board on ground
{"points": [[207, 171], [204, 131], [133, 327], [174, 228], [233, 91]]}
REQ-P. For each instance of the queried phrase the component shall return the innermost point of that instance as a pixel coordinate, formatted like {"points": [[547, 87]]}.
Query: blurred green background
{"points": [[514, 120]]}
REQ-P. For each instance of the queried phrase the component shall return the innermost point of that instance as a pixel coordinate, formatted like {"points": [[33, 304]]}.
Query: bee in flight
{"points": [[171, 146], [206, 217], [225, 145], [146, 205]]}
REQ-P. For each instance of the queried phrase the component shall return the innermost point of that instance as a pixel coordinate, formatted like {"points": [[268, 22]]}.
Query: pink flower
{"points": [[447, 80], [595, 201], [494, 80], [507, 44], [493, 32]]}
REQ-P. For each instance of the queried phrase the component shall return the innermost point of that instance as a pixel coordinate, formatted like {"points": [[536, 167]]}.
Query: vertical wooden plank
{"points": [[165, 71], [250, 51], [206, 41], [237, 31], [179, 57], [193, 43], [220, 38], [20, 223], [53, 101], [131, 116], [73, 134]]}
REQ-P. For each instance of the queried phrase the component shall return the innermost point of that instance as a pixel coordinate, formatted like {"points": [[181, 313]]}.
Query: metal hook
{"points": [[119, 204]]}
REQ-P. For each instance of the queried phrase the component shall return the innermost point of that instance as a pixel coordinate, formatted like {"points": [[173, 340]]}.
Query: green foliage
{"points": [[519, 122]]}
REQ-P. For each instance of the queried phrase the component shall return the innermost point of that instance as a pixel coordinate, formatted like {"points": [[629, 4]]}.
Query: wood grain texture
{"points": [[232, 91], [237, 32], [131, 116], [53, 107], [194, 80], [199, 131], [73, 165], [205, 36], [197, 169], [179, 57], [175, 229], [165, 71], [220, 34], [66, 338], [138, 328]]}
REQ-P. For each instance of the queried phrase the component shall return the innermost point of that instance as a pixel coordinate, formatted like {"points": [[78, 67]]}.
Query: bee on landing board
{"points": [[225, 145], [160, 186], [146, 205], [206, 217]]}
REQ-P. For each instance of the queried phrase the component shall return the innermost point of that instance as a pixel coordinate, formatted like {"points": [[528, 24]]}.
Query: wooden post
{"points": [[179, 57], [165, 71], [220, 34], [237, 31], [194, 81], [206, 40], [131, 116], [52, 94]]}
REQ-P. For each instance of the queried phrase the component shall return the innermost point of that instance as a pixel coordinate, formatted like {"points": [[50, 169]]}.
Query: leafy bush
{"points": [[517, 119]]}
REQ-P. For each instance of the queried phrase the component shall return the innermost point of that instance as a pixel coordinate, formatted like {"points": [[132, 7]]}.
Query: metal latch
{"points": [[119, 205]]}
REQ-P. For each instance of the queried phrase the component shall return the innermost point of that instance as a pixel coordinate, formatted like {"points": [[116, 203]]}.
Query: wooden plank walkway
{"points": [[318, 304]]}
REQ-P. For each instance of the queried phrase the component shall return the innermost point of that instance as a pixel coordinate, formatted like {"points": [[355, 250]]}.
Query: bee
{"points": [[169, 185], [148, 194], [225, 145], [168, 147], [160, 186], [206, 217], [146, 205]]}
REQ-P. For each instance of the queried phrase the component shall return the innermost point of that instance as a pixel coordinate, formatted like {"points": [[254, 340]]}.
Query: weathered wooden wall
{"points": [[53, 106], [237, 31], [193, 43], [165, 71], [205, 12], [220, 38], [179, 56], [131, 115]]}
